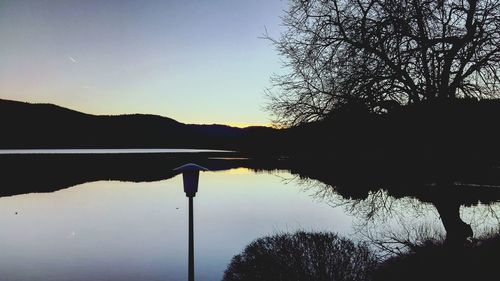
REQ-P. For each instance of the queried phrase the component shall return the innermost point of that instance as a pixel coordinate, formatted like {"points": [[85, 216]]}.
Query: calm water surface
{"points": [[106, 151], [110, 230]]}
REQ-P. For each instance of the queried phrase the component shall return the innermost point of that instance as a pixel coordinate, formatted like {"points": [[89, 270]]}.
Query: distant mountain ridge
{"points": [[28, 125], [434, 134]]}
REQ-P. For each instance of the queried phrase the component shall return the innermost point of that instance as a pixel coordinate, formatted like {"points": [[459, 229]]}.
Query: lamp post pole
{"points": [[191, 241], [190, 175]]}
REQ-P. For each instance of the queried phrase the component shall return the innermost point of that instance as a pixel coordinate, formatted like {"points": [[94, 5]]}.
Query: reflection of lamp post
{"points": [[190, 174]]}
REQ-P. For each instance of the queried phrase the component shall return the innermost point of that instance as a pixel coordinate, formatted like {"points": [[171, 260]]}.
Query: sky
{"points": [[196, 61]]}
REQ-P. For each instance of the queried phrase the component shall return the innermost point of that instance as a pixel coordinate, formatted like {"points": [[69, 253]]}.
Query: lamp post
{"points": [[190, 175]]}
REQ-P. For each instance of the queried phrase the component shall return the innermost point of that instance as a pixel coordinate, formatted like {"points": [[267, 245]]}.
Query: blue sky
{"points": [[194, 61]]}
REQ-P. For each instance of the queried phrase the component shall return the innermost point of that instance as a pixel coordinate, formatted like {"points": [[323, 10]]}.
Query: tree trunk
{"points": [[457, 231]]}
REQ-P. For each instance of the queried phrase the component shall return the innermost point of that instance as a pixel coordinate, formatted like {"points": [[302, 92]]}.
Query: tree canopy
{"points": [[302, 256], [379, 54]]}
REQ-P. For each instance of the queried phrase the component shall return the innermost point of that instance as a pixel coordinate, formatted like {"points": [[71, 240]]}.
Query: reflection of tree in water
{"points": [[413, 229], [302, 256], [398, 224]]}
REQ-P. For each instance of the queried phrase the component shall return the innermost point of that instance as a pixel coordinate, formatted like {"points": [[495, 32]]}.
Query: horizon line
{"points": [[240, 125]]}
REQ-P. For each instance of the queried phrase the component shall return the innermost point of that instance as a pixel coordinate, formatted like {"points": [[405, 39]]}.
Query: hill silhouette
{"points": [[26, 125], [433, 135]]}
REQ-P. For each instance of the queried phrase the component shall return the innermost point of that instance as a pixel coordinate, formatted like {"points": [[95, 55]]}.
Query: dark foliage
{"points": [[426, 136], [302, 256], [476, 261], [423, 137]]}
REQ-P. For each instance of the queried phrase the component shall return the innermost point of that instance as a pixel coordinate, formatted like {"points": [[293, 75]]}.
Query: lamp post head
{"points": [[190, 174]]}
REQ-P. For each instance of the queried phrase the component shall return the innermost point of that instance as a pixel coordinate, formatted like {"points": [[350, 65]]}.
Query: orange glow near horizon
{"points": [[192, 61]]}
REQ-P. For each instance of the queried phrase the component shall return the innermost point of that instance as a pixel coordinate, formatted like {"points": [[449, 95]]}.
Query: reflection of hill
{"points": [[45, 173]]}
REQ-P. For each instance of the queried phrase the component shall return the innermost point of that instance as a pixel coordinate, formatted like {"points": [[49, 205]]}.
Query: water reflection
{"points": [[374, 198], [96, 231], [135, 228], [137, 231], [306, 256], [190, 177], [397, 225]]}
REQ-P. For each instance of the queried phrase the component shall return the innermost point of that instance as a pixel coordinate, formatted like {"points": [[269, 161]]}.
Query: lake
{"points": [[104, 151], [126, 219]]}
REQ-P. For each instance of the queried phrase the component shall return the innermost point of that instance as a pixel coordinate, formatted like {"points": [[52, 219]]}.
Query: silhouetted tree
{"points": [[302, 256], [379, 54], [436, 261]]}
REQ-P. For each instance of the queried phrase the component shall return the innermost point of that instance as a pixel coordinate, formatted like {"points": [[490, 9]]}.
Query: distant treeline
{"points": [[434, 133], [25, 125]]}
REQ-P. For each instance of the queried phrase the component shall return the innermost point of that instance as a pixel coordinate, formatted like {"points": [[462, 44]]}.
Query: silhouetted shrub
{"points": [[302, 256], [477, 260]]}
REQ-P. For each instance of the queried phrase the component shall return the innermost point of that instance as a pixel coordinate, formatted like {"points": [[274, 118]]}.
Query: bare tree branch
{"points": [[366, 52]]}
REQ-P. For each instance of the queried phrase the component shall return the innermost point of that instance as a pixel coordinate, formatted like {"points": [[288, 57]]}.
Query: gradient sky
{"points": [[194, 61]]}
